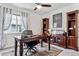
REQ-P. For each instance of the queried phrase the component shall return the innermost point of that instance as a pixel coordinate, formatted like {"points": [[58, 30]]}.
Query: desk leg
{"points": [[21, 48], [41, 43], [15, 47], [49, 43]]}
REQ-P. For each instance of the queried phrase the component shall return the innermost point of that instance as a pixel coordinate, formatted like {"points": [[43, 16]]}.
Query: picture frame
{"points": [[57, 20]]}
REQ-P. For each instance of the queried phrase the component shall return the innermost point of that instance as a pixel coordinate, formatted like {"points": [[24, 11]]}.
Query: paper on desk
{"points": [[18, 37]]}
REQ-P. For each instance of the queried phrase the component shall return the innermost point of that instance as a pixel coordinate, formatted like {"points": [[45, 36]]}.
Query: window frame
{"points": [[17, 28]]}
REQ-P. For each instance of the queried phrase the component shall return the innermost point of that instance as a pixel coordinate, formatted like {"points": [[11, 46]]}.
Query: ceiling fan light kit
{"points": [[39, 6]]}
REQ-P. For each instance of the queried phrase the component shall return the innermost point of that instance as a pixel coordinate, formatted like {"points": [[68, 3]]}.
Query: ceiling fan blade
{"points": [[45, 5], [35, 8], [38, 3]]}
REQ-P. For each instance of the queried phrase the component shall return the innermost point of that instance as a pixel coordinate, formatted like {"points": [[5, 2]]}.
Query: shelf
{"points": [[71, 20], [71, 28], [71, 36], [44, 22]]}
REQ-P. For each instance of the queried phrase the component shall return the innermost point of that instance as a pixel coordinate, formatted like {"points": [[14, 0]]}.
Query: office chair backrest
{"points": [[26, 33]]}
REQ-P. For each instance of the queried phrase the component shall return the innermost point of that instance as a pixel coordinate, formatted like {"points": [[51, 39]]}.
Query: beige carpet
{"points": [[53, 52], [47, 53], [42, 51]]}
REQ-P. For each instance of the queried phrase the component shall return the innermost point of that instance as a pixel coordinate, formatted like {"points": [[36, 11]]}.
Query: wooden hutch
{"points": [[72, 29], [45, 27]]}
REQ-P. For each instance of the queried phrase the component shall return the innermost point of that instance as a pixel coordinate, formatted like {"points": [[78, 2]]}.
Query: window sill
{"points": [[12, 32]]}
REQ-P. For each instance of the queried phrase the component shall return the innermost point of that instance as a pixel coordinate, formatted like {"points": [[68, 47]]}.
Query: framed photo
{"points": [[57, 20]]}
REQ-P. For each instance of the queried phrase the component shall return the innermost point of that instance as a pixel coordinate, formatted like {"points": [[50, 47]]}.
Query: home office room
{"points": [[39, 29]]}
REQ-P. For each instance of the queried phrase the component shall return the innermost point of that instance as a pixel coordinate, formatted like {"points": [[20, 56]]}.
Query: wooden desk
{"points": [[21, 41]]}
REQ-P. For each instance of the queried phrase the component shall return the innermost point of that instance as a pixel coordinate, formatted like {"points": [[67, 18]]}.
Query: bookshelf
{"points": [[45, 27], [72, 29]]}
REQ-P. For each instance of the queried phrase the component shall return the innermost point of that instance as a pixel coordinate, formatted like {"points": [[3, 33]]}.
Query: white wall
{"points": [[64, 10], [35, 23]]}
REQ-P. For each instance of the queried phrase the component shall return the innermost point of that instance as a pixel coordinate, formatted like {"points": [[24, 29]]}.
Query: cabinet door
{"points": [[62, 42], [72, 42]]}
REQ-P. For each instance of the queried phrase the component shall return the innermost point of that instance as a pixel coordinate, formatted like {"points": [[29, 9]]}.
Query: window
{"points": [[20, 26], [16, 24], [13, 27]]}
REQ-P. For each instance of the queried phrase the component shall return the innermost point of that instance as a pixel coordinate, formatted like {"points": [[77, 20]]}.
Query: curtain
{"points": [[24, 17], [1, 24], [0, 28], [6, 19]]}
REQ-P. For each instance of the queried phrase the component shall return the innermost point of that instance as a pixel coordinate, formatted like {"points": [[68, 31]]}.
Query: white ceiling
{"points": [[43, 10]]}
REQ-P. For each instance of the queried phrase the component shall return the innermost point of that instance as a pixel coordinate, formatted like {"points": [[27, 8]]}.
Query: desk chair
{"points": [[30, 45]]}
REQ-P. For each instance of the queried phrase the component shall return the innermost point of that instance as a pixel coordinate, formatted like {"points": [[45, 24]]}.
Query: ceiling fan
{"points": [[39, 5]]}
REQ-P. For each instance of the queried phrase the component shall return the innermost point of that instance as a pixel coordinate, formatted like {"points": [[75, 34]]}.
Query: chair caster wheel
{"points": [[26, 54]]}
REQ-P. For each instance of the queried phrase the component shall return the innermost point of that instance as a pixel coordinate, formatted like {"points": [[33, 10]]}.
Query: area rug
{"points": [[48, 53], [53, 52]]}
